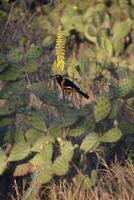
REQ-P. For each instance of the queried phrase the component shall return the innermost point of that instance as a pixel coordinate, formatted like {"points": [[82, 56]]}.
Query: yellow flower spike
{"points": [[59, 51]]}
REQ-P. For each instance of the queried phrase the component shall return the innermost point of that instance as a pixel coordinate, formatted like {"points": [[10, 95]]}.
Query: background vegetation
{"points": [[65, 147]]}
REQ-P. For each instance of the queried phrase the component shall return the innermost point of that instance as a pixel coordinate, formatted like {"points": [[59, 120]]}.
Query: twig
{"points": [[27, 79], [8, 19], [16, 190]]}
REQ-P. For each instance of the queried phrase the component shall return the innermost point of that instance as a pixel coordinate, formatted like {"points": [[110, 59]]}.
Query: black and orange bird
{"points": [[68, 86]]}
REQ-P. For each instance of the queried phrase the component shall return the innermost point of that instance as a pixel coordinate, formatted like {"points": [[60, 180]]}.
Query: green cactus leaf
{"points": [[91, 10], [78, 23], [112, 135], [19, 151], [90, 33], [89, 124], [114, 110], [47, 153], [3, 63], [32, 135], [59, 168], [30, 66], [6, 121], [37, 160], [120, 30], [83, 180], [90, 142], [101, 54], [41, 143], [61, 164], [102, 108], [11, 74], [47, 41], [76, 131], [132, 2], [71, 69], [45, 94], [35, 119], [126, 128], [34, 52], [43, 158], [56, 131], [3, 162], [125, 86], [5, 110], [14, 56], [70, 118], [93, 177], [44, 175], [74, 21], [107, 45]]}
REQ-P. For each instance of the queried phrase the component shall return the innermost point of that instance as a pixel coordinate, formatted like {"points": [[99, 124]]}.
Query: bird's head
{"points": [[57, 77]]}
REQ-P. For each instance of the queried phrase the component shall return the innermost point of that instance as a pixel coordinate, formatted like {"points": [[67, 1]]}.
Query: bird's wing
{"points": [[70, 84]]}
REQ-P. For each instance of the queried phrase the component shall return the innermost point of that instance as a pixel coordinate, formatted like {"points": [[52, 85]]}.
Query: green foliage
{"points": [[114, 110], [44, 175], [126, 128], [41, 142], [35, 119], [19, 152], [112, 135], [14, 56], [32, 135], [72, 68], [43, 158], [34, 52], [56, 131], [106, 45], [120, 30], [90, 33], [3, 162], [90, 142], [99, 59], [125, 86], [44, 93], [76, 131], [132, 2], [5, 110], [85, 181], [11, 74], [20, 149], [3, 63], [31, 66], [61, 164], [6, 121], [102, 108]]}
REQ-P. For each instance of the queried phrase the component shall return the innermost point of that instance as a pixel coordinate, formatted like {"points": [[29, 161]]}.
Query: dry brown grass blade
{"points": [[116, 183]]}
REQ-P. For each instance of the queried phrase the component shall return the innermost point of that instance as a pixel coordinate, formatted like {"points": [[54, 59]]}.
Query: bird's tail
{"points": [[83, 94]]}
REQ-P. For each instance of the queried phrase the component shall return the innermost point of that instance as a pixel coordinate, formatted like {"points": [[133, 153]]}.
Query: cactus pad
{"points": [[102, 108], [125, 86]]}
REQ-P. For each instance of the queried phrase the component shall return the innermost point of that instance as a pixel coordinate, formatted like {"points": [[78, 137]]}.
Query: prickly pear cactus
{"points": [[125, 86], [34, 52], [3, 162], [112, 135], [11, 74], [102, 108], [61, 164], [14, 56]]}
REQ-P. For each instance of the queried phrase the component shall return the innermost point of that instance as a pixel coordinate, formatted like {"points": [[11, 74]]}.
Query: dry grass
{"points": [[117, 183]]}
